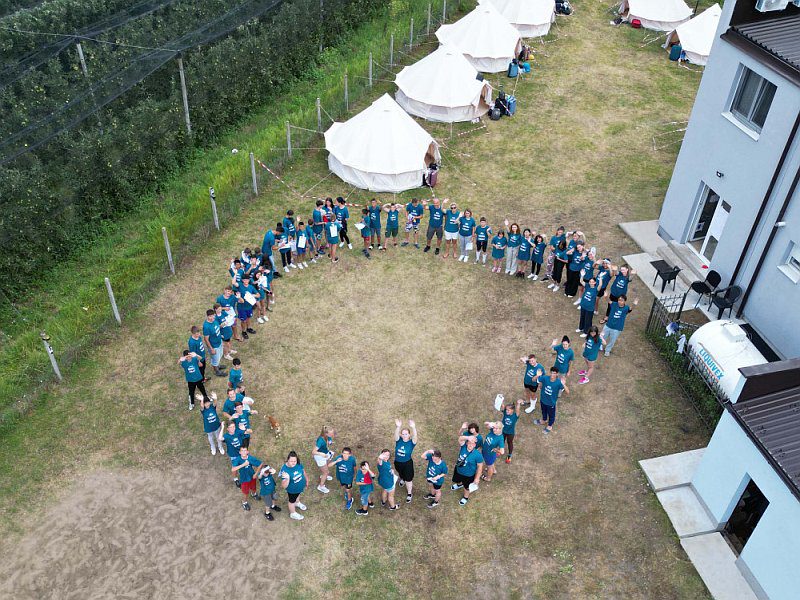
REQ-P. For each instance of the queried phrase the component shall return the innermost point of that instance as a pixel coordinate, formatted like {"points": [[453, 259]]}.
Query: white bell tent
{"points": [[659, 15], [697, 35], [443, 87], [532, 18], [381, 149], [484, 37]]}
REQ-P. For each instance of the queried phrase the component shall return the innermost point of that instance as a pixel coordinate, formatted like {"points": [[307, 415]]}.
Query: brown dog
{"points": [[275, 426]]}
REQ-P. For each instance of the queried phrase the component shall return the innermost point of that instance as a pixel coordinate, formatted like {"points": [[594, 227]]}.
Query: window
{"points": [[791, 265], [752, 99], [745, 517]]}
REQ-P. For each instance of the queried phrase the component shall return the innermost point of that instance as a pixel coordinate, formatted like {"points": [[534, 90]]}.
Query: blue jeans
{"points": [[365, 498], [548, 413], [610, 336]]}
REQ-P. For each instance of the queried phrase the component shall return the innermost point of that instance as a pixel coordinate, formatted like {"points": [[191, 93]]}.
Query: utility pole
{"points": [[185, 95]]}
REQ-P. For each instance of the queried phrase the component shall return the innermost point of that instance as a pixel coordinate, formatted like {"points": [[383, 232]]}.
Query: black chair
{"points": [[726, 301], [707, 287], [669, 276]]}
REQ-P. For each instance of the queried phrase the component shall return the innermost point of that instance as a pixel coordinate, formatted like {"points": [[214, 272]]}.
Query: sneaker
{"points": [[314, 260], [260, 321], [237, 483], [269, 517], [233, 352], [537, 421], [349, 504], [507, 272], [371, 505], [251, 331], [301, 506], [555, 289], [583, 335], [300, 266], [395, 507], [278, 275], [508, 459], [335, 260], [550, 286], [245, 506], [370, 246], [275, 508], [296, 516], [293, 265], [436, 252], [547, 430], [578, 301], [367, 254], [329, 478], [531, 408], [228, 357], [433, 504], [404, 244], [531, 276], [607, 354], [416, 246], [245, 336], [383, 503], [582, 372], [191, 405], [361, 512], [408, 498], [427, 249], [578, 307], [213, 452], [428, 497], [535, 277], [341, 244], [221, 451], [323, 489], [305, 264], [477, 260], [349, 246], [583, 380], [463, 501], [383, 248], [285, 269], [456, 486]]}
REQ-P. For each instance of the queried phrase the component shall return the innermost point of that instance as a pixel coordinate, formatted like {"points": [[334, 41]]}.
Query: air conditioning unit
{"points": [[771, 5]]}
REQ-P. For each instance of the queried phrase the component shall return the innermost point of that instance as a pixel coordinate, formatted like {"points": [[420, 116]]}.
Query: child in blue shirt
{"points": [[345, 465], [524, 253], [266, 490], [538, 248], [301, 243], [434, 475], [364, 481], [499, 243], [482, 235], [366, 231], [235, 376], [591, 350], [212, 426]]}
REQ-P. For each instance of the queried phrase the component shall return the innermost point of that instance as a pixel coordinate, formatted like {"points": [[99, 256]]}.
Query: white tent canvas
{"points": [[660, 15], [532, 18], [444, 87], [381, 149], [697, 35], [485, 37]]}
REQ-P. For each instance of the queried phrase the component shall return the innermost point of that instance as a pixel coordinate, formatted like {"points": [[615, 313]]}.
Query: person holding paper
{"points": [[212, 337], [332, 234], [469, 467], [342, 216], [246, 297], [301, 244], [285, 248]]}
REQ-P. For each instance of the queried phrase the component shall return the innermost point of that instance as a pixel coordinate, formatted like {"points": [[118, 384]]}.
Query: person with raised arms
{"points": [[434, 475], [469, 467], [414, 212], [293, 480], [405, 440], [244, 466], [435, 225], [472, 429], [618, 312], [194, 378], [482, 234], [530, 383], [551, 386], [392, 210], [387, 479], [345, 465], [493, 447], [564, 355], [267, 491], [618, 287], [364, 480], [588, 303], [322, 454], [510, 418]]}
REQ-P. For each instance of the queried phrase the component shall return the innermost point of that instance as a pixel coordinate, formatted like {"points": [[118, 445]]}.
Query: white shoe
{"points": [[550, 286], [578, 330], [191, 406], [349, 246], [260, 321], [484, 260], [232, 352], [531, 276], [477, 260], [555, 289], [535, 277], [583, 335], [341, 244], [314, 260], [323, 489], [305, 264], [301, 506], [531, 408], [296, 516], [330, 478], [265, 319], [228, 357], [578, 301], [300, 266], [222, 451], [293, 265], [213, 452], [285, 269]]}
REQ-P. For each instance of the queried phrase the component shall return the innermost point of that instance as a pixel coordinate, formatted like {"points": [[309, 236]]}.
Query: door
{"points": [[709, 200], [745, 516], [715, 228]]}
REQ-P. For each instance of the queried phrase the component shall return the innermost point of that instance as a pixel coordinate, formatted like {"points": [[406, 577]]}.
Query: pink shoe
{"points": [[583, 380], [582, 372]]}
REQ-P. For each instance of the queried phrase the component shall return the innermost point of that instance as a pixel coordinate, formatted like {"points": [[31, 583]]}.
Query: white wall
{"points": [[772, 554]]}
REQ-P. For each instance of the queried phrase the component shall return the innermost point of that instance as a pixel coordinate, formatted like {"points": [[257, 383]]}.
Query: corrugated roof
{"points": [[780, 37], [773, 422]]}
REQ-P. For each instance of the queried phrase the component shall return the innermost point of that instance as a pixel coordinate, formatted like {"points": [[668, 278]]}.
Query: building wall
{"points": [[772, 555], [713, 143]]}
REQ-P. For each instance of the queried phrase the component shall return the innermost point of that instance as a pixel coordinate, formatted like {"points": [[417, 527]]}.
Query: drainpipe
{"points": [[770, 239], [751, 236]]}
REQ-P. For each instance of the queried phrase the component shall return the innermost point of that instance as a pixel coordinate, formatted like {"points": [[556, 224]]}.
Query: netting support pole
{"points": [[289, 139], [213, 197], [82, 59], [319, 116], [49, 349], [411, 34], [346, 95], [185, 96], [321, 19], [391, 51], [169, 250], [253, 174], [370, 69], [114, 308], [444, 12], [428, 29]]}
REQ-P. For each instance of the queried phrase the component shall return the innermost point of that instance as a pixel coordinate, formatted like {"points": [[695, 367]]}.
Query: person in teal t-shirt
{"points": [[345, 465], [550, 386], [538, 248], [211, 425], [322, 454], [364, 480], [392, 210], [510, 418], [466, 235], [591, 349], [267, 491], [530, 374], [469, 468], [196, 345], [194, 378], [245, 466], [435, 225], [451, 224], [618, 312], [564, 356], [414, 212], [499, 243], [524, 253], [514, 241], [493, 447], [235, 376], [434, 475], [293, 480], [405, 439], [386, 479], [482, 235], [375, 211], [366, 231]]}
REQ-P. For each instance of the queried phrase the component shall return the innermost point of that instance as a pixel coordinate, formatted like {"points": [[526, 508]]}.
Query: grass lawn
{"points": [[108, 489]]}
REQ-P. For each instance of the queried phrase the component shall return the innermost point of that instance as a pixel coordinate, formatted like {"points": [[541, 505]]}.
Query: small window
{"points": [[752, 99], [745, 516], [791, 266]]}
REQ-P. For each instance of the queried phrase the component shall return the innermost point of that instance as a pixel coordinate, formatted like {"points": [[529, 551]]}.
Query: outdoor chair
{"points": [[707, 287], [725, 298]]}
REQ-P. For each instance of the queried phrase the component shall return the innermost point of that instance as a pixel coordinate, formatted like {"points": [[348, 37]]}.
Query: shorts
{"points": [[301, 251], [437, 486], [532, 387], [293, 497], [365, 498], [451, 235], [459, 477], [320, 460], [345, 485], [490, 458], [412, 226], [481, 245], [376, 230], [405, 470], [217, 356], [437, 231], [391, 232], [248, 487], [245, 313]]}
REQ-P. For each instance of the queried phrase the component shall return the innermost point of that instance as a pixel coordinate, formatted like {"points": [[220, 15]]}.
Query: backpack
{"points": [[563, 7], [513, 68], [495, 114], [511, 105]]}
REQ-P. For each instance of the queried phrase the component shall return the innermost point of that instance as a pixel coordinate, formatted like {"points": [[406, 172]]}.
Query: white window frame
{"points": [[745, 122], [790, 265]]}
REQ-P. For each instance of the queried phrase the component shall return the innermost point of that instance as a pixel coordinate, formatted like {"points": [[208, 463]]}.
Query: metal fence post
{"points": [[114, 308], [49, 349], [319, 116], [428, 28], [346, 96], [391, 51], [289, 139], [370, 69], [212, 195], [411, 34], [169, 250], [253, 174], [444, 12]]}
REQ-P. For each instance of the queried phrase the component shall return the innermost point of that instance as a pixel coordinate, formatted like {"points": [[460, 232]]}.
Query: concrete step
{"points": [[687, 513], [716, 564], [672, 470], [689, 258]]}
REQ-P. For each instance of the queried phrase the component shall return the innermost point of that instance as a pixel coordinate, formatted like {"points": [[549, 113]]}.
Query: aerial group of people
{"points": [[563, 260]]}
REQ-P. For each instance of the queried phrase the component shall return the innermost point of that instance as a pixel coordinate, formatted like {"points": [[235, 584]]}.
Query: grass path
{"points": [[410, 336]]}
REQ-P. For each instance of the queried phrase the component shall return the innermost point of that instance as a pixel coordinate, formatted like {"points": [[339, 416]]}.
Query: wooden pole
{"points": [[82, 59], [289, 139], [428, 29], [444, 12], [169, 250], [49, 349], [391, 51], [114, 308], [253, 174], [411, 34], [185, 96], [370, 69], [213, 198], [346, 95], [319, 116]]}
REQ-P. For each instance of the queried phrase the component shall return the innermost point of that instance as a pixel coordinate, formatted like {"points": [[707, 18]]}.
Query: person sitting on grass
{"points": [[434, 475], [267, 491], [469, 468], [364, 481], [551, 386], [244, 466], [345, 465]]}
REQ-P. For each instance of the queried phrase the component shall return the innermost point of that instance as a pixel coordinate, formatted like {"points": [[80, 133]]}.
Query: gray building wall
{"points": [[716, 143]]}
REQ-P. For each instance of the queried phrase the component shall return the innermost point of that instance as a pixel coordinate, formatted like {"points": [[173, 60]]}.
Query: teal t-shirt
{"points": [[212, 332], [197, 346], [345, 469], [591, 349], [322, 444], [392, 219], [549, 390], [492, 442], [267, 487], [469, 464], [210, 419], [482, 233], [385, 477], [433, 470], [235, 377], [246, 473], [524, 250], [297, 478], [467, 226], [617, 316], [403, 450], [537, 252], [436, 216], [233, 441], [510, 423], [191, 370], [451, 221], [589, 298], [367, 230], [360, 478], [532, 372], [563, 358], [514, 240]]}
